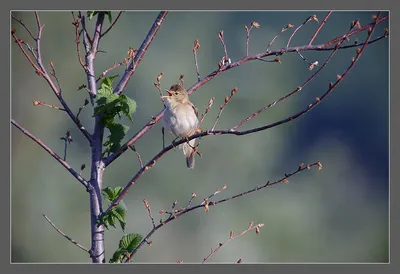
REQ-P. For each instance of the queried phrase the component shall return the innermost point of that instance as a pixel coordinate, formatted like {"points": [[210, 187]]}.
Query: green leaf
{"points": [[130, 242], [120, 214], [109, 16], [107, 81], [108, 193], [111, 219], [117, 134], [117, 190], [118, 256], [129, 106], [90, 14]]}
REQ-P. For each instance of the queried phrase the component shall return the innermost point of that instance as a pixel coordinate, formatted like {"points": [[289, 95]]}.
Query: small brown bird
{"points": [[180, 118]]}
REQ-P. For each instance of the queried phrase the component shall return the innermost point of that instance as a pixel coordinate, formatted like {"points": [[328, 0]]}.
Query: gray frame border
{"points": [[207, 5]]}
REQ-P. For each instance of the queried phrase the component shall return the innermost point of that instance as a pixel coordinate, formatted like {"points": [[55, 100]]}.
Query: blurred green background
{"points": [[339, 214]]}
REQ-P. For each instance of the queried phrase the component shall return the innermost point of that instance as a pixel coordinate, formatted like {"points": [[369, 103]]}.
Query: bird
{"points": [[181, 119]]}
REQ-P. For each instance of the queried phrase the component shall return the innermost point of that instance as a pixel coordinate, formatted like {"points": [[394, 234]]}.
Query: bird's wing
{"points": [[195, 110]]}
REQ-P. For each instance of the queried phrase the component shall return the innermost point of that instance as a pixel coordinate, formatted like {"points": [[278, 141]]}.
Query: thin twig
{"points": [[138, 156], [41, 103], [22, 24], [221, 38], [114, 66], [53, 154], [147, 205], [31, 50], [191, 200], [248, 30], [40, 70], [158, 86], [298, 28], [112, 25], [76, 23], [140, 53], [65, 147], [299, 88], [196, 47], [321, 47], [81, 108], [213, 194], [227, 100], [232, 236], [19, 42], [64, 235], [320, 27], [213, 203], [203, 115], [288, 26]]}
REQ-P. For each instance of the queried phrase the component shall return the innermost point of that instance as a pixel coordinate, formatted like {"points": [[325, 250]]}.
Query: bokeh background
{"points": [[339, 214]]}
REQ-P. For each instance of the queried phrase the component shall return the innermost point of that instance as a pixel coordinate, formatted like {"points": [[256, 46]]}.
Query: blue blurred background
{"points": [[339, 214]]}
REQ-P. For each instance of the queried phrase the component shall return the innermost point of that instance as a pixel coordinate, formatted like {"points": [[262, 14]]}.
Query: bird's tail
{"points": [[189, 153]]}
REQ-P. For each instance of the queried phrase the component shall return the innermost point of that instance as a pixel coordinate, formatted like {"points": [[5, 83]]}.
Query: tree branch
{"points": [[140, 53], [65, 236], [97, 167], [213, 203], [40, 70], [53, 154], [320, 27], [321, 47], [232, 131], [112, 25], [232, 236]]}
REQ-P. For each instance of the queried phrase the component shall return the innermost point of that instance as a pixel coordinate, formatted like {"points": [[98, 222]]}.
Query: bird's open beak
{"points": [[169, 93]]}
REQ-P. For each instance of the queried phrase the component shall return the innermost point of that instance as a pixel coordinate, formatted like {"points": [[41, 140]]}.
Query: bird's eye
{"points": [[176, 93]]}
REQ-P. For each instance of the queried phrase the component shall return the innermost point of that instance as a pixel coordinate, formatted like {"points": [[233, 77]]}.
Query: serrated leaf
{"points": [[104, 221], [117, 190], [111, 219], [117, 134], [129, 106], [108, 193], [130, 242], [120, 214], [107, 105], [117, 256], [107, 81]]}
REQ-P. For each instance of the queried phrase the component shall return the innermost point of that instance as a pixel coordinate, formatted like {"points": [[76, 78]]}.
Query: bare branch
{"points": [[288, 26], [147, 205], [210, 103], [41, 103], [227, 100], [76, 23], [65, 236], [221, 38], [141, 52], [212, 75], [138, 156], [318, 100], [232, 236], [25, 27], [114, 66], [248, 30], [112, 25], [196, 47], [213, 203], [158, 86], [320, 27], [53, 154], [297, 29], [40, 70]]}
